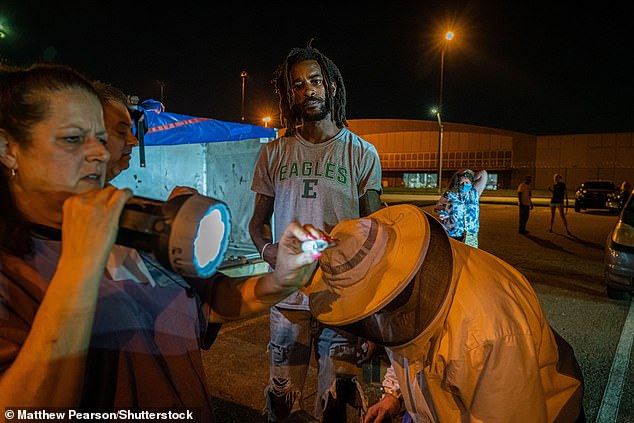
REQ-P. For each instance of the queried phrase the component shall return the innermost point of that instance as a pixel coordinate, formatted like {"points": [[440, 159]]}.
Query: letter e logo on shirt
{"points": [[308, 188]]}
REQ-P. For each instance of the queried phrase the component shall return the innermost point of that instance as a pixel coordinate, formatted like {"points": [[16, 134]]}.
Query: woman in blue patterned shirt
{"points": [[459, 207]]}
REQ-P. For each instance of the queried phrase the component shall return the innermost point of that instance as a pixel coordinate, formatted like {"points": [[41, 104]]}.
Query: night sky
{"points": [[536, 67]]}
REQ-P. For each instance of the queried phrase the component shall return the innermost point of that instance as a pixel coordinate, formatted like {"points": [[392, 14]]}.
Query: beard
{"points": [[312, 115]]}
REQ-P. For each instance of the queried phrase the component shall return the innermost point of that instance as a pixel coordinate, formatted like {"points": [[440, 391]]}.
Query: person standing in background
{"points": [[321, 172], [459, 207], [525, 202], [624, 192], [557, 201], [121, 139]]}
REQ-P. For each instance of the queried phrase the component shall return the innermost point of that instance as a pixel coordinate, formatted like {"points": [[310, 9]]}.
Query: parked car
{"points": [[615, 202], [593, 195], [619, 255]]}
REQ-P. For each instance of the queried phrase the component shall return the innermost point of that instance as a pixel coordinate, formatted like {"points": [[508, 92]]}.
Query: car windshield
{"points": [[598, 185]]}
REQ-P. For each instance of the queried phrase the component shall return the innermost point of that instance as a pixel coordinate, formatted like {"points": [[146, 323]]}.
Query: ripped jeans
{"points": [[339, 392]]}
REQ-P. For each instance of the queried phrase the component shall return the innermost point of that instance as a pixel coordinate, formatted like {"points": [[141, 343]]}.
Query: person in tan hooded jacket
{"points": [[465, 332]]}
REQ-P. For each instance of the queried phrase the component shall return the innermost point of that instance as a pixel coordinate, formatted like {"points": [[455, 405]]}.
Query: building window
{"points": [[420, 180], [492, 181]]}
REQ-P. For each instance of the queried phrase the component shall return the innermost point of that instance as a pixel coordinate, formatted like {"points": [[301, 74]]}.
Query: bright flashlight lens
{"points": [[209, 240]]}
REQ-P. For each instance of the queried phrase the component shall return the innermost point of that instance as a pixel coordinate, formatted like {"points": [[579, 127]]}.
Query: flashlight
{"points": [[318, 245], [188, 233]]}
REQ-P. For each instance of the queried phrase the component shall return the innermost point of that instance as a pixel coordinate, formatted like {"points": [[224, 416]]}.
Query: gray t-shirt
{"points": [[318, 184]]}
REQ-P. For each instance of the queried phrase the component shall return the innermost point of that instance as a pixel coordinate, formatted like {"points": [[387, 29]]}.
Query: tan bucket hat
{"points": [[363, 283]]}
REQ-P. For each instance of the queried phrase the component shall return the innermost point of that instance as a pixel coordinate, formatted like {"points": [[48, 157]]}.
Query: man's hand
{"points": [[383, 410], [294, 267], [367, 350]]}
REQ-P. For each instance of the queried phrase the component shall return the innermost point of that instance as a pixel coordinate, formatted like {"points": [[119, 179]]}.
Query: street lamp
{"points": [[266, 121], [448, 37], [162, 85], [243, 75]]}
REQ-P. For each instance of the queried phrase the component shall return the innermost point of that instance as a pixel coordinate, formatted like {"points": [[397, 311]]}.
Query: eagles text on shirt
{"points": [[328, 170]]}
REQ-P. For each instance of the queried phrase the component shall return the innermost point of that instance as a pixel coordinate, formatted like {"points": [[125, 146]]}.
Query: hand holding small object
{"points": [[318, 245]]}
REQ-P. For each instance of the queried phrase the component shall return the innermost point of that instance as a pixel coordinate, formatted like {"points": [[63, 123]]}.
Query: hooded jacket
{"points": [[487, 360]]}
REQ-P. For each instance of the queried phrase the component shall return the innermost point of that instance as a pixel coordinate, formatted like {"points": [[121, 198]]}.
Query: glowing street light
{"points": [[266, 121], [448, 37]]}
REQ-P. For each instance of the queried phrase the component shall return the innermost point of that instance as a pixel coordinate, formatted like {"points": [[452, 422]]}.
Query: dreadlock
{"points": [[336, 104]]}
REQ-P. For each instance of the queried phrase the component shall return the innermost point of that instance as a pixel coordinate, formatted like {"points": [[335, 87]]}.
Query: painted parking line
{"points": [[609, 410]]}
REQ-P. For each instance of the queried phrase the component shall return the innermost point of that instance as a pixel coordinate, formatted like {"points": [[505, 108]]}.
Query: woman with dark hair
{"points": [[85, 323], [459, 207]]}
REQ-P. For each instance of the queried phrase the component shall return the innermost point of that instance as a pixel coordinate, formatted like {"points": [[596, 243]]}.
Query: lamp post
{"points": [[448, 37], [266, 121], [243, 75], [440, 133], [162, 86]]}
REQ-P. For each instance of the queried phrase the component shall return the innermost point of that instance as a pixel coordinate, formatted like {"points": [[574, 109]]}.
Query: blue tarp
{"points": [[165, 128]]}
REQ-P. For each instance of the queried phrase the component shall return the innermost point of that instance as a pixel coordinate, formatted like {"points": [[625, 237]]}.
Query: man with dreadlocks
{"points": [[321, 173]]}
